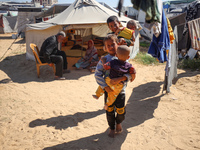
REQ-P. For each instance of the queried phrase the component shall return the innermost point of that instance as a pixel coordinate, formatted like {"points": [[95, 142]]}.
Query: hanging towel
{"points": [[171, 34]]}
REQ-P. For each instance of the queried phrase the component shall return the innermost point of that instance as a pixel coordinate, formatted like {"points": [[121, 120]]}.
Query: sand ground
{"points": [[42, 113]]}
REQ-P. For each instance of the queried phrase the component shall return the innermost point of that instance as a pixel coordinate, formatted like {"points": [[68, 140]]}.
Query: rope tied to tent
{"points": [[10, 46]]}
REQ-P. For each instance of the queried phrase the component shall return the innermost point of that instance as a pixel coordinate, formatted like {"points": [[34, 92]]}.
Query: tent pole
{"points": [[82, 45]]}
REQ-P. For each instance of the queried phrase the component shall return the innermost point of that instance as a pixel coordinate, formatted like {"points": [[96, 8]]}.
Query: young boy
{"points": [[111, 45], [122, 32], [118, 67]]}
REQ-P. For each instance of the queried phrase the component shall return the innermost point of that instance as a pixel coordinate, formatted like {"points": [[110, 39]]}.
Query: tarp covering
{"points": [[8, 24], [55, 9], [25, 18], [94, 13], [194, 30], [81, 14]]}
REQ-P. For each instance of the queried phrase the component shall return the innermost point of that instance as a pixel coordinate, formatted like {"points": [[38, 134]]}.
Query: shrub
{"points": [[193, 64], [145, 59]]}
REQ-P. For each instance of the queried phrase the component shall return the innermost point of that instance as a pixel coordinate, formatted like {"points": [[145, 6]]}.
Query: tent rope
{"points": [[10, 46]]}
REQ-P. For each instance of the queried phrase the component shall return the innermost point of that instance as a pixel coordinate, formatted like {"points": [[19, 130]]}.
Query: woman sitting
{"points": [[90, 59]]}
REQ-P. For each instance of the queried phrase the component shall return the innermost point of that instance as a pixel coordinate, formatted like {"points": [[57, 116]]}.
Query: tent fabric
{"points": [[37, 37], [94, 13], [176, 20], [23, 19], [184, 41], [8, 24], [132, 11], [55, 9], [82, 14]]}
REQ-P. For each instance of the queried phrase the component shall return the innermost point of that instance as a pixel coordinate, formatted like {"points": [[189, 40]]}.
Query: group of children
{"points": [[113, 72]]}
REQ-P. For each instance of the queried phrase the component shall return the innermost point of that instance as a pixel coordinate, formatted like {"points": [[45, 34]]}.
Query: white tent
{"points": [[131, 11], [82, 14], [26, 15], [8, 24]]}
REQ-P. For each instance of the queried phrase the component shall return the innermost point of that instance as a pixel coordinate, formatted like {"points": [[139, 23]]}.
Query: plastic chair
{"points": [[37, 59]]}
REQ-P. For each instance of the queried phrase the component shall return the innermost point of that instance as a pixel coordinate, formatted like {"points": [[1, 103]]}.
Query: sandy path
{"points": [[40, 113]]}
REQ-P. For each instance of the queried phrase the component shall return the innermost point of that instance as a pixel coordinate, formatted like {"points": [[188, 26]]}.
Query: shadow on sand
{"points": [[187, 73], [139, 109], [63, 122], [20, 70], [5, 37]]}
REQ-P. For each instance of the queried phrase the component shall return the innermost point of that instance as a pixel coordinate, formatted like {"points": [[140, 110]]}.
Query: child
{"points": [[131, 24], [111, 45], [122, 32], [118, 67]]}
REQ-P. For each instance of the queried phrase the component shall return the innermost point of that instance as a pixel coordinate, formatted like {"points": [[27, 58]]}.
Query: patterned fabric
{"points": [[193, 12], [91, 53], [126, 33], [101, 73], [194, 31], [171, 34], [111, 95], [119, 68]]}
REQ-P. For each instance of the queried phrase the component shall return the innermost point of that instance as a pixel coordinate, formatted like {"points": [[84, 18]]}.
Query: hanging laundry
{"points": [[150, 8], [171, 34], [159, 45], [157, 25], [171, 67]]}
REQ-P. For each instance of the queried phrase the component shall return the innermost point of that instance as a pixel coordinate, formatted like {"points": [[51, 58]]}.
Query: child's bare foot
{"points": [[119, 128], [111, 133], [94, 96], [105, 107]]}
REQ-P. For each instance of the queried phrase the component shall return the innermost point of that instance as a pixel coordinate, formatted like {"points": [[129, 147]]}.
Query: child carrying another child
{"points": [[118, 67], [111, 45], [122, 32]]}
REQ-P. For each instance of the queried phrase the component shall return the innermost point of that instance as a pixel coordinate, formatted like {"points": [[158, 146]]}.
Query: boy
{"points": [[118, 67], [122, 32], [111, 45]]}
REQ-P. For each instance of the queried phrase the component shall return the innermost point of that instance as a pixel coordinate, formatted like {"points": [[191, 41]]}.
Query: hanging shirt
{"points": [[159, 45]]}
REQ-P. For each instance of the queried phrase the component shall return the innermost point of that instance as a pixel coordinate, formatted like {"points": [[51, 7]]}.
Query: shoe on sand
{"points": [[59, 78]]}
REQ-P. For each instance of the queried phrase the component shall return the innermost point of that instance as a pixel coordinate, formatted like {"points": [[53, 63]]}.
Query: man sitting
{"points": [[49, 53]]}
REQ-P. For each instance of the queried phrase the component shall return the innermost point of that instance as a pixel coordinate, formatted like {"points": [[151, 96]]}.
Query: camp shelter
{"points": [[107, 6], [87, 16], [131, 12], [8, 24], [53, 10], [26, 15]]}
